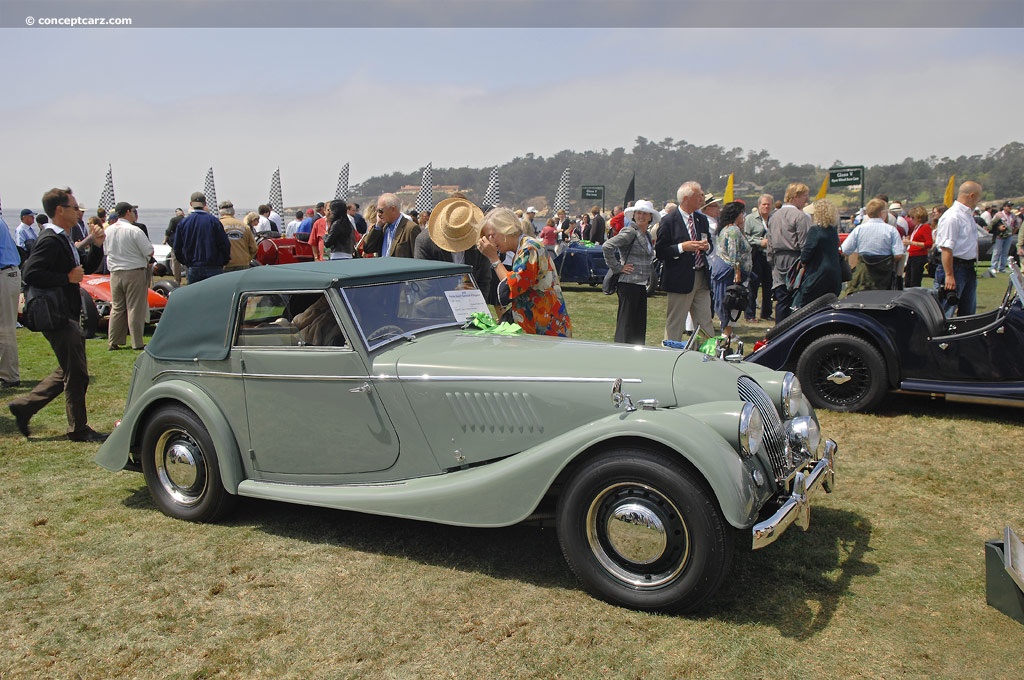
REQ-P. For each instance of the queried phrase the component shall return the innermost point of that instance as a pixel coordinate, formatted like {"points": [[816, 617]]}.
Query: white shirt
{"points": [[263, 225], [957, 231], [276, 219], [292, 226], [126, 246]]}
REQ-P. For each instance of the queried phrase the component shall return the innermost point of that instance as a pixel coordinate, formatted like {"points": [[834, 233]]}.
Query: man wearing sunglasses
{"points": [[56, 263]]}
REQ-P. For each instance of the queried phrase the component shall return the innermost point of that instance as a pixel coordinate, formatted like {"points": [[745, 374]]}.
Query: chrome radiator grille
{"points": [[774, 440]]}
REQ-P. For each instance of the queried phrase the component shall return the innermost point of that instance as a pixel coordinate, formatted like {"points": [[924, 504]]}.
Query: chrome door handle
{"points": [[365, 387]]}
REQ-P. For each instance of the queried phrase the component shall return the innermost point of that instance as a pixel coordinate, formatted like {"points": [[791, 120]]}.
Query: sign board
{"points": [[845, 177], [593, 193]]}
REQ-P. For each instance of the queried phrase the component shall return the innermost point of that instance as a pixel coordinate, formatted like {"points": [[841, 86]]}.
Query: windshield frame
{"points": [[350, 296]]}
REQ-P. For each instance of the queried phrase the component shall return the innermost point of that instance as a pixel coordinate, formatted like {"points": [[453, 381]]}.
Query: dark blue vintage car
{"points": [[579, 263], [850, 353]]}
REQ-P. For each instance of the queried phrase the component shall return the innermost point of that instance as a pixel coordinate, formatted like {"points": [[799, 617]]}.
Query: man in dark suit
{"points": [[684, 243], [598, 228], [55, 263], [394, 234], [353, 211]]}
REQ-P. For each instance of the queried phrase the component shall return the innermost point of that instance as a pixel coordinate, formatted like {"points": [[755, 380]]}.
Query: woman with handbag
{"points": [[820, 256], [918, 243], [734, 259], [633, 270]]}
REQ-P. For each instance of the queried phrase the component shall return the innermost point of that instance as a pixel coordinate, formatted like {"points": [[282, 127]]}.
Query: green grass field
{"points": [[889, 582]]}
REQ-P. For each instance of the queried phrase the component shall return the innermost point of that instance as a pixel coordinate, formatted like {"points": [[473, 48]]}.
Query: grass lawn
{"points": [[889, 582]]}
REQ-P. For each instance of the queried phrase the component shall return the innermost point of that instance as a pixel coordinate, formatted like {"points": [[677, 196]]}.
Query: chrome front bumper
{"points": [[797, 508]]}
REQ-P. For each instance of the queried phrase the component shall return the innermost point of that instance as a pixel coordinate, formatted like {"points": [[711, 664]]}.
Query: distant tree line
{"points": [[661, 166]]}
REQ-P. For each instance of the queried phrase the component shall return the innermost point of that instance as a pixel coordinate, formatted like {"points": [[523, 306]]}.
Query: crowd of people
{"points": [[779, 255]]}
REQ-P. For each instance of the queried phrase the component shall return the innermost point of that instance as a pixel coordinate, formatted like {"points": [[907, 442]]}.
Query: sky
{"points": [[161, 105]]}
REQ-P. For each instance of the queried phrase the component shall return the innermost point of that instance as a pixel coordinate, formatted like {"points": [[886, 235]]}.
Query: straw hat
{"points": [[455, 224]]}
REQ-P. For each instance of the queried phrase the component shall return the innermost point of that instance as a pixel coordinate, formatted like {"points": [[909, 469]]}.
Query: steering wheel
{"points": [[384, 332]]}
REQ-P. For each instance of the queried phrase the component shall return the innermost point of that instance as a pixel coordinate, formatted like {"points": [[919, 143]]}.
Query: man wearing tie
{"points": [[683, 246]]}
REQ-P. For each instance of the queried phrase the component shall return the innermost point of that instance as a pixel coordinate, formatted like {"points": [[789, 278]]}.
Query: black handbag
{"points": [[45, 309]]}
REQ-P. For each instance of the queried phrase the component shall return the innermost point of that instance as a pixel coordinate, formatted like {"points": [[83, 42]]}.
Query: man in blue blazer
{"points": [[684, 243]]}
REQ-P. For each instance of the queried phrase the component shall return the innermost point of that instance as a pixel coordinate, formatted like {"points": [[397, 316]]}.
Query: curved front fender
{"points": [[113, 454], [782, 351]]}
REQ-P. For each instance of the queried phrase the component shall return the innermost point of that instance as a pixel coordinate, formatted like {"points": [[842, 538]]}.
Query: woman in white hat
{"points": [[634, 266], [530, 287]]}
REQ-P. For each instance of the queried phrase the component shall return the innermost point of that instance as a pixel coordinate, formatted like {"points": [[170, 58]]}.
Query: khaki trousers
{"points": [[129, 306], [697, 302]]}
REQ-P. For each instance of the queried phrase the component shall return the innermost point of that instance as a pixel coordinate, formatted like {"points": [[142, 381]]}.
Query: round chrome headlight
{"points": [[751, 430], [803, 433], [792, 397]]}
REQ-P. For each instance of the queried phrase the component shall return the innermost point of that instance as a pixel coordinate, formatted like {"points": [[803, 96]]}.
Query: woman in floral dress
{"points": [[530, 287]]}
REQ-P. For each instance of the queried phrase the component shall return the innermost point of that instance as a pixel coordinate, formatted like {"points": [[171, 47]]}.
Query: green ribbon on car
{"points": [[486, 325]]}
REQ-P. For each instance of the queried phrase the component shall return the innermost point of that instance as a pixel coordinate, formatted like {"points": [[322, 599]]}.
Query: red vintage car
{"points": [[284, 250], [96, 301]]}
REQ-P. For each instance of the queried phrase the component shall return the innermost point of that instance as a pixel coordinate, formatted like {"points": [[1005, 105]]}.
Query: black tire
{"points": [[89, 319], [813, 307], [180, 465], [165, 288], [682, 547], [842, 373]]}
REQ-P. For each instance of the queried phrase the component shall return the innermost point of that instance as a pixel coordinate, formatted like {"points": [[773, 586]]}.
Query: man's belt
{"points": [[961, 261]]}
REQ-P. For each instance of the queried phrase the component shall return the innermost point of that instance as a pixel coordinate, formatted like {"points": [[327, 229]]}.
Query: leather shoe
{"points": [[87, 435], [9, 384], [20, 419]]}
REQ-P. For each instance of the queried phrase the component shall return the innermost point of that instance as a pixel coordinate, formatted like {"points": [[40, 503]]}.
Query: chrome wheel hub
{"points": [[181, 467], [838, 378], [637, 535]]}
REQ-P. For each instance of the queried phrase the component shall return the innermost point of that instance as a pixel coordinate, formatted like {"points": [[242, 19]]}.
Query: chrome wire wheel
{"points": [[638, 535], [181, 467]]}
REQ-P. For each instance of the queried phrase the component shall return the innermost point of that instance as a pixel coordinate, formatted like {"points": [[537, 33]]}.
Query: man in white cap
{"points": [[528, 227], [27, 233]]}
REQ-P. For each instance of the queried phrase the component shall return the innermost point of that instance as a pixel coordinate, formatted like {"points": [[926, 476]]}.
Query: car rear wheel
{"points": [[639, 532], [180, 465], [89, 319], [843, 373], [165, 288]]}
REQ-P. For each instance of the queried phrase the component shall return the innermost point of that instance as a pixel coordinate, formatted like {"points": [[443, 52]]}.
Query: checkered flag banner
{"points": [[562, 195], [425, 199], [211, 192], [341, 193], [275, 200], [107, 201], [493, 194]]}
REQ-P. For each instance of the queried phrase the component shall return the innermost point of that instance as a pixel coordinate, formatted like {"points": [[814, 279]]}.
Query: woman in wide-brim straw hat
{"points": [[530, 287], [451, 235], [633, 264]]}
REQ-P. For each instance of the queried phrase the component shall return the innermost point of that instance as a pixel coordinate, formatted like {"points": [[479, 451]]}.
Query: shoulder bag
{"points": [[45, 309], [611, 279]]}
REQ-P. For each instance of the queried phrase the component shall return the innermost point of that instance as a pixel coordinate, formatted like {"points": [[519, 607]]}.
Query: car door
{"points": [[309, 412]]}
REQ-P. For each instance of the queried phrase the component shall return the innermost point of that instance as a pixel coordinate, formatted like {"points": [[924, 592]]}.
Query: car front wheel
{"points": [[640, 532], [180, 466], [843, 373]]}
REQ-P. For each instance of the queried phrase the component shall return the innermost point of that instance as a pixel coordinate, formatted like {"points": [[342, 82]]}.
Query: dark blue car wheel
{"points": [[842, 372]]}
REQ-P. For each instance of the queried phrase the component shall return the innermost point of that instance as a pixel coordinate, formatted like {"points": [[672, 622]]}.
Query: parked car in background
{"points": [[652, 463], [579, 263], [850, 353]]}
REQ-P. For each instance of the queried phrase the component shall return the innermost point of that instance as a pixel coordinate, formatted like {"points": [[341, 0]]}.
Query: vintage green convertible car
{"points": [[356, 385]]}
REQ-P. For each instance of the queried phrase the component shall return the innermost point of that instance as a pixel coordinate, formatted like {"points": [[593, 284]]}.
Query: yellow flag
{"points": [[948, 197], [727, 198], [823, 190]]}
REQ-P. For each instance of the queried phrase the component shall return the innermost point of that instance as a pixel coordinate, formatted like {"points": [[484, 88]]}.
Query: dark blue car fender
{"points": [[785, 349]]}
